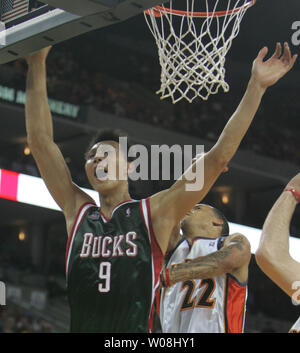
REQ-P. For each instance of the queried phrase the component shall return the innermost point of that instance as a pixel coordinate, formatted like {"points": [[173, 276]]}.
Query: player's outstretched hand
{"points": [[40, 55], [268, 72]]}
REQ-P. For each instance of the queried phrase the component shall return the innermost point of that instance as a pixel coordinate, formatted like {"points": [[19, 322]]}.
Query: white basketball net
{"points": [[192, 46]]}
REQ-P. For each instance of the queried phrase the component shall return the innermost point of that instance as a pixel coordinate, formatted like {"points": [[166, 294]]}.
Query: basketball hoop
{"points": [[192, 45]]}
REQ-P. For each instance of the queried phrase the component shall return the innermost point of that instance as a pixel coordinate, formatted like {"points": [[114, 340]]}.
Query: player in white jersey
{"points": [[205, 276], [272, 255]]}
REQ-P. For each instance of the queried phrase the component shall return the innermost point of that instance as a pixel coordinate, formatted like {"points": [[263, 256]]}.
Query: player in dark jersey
{"points": [[115, 254]]}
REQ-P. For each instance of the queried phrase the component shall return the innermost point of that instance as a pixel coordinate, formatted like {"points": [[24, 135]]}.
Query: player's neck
{"points": [[199, 232], [109, 201]]}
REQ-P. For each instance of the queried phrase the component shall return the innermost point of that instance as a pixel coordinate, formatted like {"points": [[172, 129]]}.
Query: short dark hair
{"points": [[109, 135], [225, 226]]}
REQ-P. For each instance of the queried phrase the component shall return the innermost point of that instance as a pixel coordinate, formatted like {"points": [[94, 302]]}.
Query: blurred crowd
{"points": [[19, 315], [14, 319]]}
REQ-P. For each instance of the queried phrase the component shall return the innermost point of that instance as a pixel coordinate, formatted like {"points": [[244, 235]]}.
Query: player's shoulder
{"points": [[236, 238], [180, 251], [183, 243], [240, 242]]}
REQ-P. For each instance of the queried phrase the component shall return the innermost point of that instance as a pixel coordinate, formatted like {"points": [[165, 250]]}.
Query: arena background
{"points": [[109, 78]]}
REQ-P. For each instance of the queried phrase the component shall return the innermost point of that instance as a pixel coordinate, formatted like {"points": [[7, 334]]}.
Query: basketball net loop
{"points": [[193, 45]]}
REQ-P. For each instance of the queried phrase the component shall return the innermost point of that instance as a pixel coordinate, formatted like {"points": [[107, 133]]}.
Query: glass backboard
{"points": [[27, 26]]}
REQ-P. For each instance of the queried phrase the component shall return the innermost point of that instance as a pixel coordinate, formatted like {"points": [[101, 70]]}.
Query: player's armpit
{"points": [[184, 194], [57, 177]]}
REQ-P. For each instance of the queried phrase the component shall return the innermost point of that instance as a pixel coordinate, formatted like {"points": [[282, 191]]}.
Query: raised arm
{"points": [[175, 202], [46, 153], [233, 257], [272, 255]]}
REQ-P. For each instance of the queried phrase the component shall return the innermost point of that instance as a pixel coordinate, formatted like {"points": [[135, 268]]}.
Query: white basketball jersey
{"points": [[296, 327], [211, 305]]}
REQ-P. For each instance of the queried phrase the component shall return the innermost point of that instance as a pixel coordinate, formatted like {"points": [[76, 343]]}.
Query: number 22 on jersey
{"points": [[205, 301]]}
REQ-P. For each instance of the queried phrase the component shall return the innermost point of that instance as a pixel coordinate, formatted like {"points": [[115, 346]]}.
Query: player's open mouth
{"points": [[101, 173]]}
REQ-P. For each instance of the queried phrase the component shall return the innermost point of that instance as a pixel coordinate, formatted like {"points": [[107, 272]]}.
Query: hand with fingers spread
{"points": [[268, 72]]}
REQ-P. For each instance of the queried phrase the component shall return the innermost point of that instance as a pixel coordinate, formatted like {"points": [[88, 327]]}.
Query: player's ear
{"points": [[218, 222]]}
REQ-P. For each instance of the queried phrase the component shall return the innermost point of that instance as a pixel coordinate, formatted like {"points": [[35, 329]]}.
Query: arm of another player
{"points": [[175, 202], [233, 257], [272, 255], [46, 153]]}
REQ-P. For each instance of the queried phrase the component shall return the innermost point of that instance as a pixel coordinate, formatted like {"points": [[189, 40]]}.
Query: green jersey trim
{"points": [[157, 255]]}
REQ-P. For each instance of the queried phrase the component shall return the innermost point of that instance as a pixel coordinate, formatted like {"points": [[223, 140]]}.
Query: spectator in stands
{"points": [[9, 325]]}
